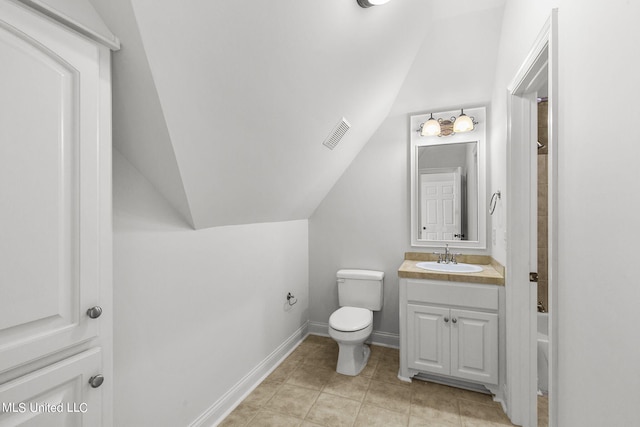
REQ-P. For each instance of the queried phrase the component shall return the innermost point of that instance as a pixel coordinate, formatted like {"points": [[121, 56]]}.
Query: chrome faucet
{"points": [[447, 257], [444, 257]]}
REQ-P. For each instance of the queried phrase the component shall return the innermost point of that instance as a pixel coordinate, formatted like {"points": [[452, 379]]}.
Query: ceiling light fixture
{"points": [[369, 3]]}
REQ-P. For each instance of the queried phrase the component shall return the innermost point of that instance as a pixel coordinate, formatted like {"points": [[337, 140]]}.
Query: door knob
{"points": [[96, 381], [94, 312]]}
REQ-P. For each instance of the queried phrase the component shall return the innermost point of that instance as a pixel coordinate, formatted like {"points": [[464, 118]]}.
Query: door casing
{"points": [[539, 67]]}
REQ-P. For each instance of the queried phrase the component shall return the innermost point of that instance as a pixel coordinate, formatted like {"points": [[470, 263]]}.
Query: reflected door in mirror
{"points": [[448, 204], [440, 209]]}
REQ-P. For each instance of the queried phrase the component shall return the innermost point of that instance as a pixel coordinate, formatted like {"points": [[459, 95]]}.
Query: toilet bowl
{"points": [[359, 294], [350, 327]]}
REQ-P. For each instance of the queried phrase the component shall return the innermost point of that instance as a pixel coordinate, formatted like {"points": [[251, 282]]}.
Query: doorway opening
{"points": [[542, 252]]}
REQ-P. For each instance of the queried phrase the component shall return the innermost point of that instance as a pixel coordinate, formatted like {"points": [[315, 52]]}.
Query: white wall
{"points": [[599, 196], [599, 201], [521, 24], [364, 223], [195, 311]]}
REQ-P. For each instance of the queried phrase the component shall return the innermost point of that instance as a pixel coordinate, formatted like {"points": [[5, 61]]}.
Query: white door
{"points": [[428, 338], [474, 345], [59, 395], [440, 205], [49, 195]]}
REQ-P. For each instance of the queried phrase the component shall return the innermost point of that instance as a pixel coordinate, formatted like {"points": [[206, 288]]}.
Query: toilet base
{"points": [[353, 354], [352, 358]]}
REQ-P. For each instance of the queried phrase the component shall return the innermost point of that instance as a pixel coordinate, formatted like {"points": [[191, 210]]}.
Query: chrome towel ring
{"points": [[494, 201]]}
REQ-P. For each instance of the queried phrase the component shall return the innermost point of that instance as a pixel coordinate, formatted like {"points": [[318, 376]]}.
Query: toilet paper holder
{"points": [[291, 299]]}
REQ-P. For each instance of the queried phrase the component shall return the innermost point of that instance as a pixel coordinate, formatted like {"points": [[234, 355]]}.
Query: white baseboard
{"points": [[384, 339], [232, 398]]}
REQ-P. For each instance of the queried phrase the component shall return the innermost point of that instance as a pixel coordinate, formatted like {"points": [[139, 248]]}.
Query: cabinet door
{"points": [[57, 396], [428, 338], [474, 346], [49, 195]]}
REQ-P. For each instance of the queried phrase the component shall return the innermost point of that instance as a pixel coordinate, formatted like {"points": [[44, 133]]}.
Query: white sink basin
{"points": [[449, 268]]}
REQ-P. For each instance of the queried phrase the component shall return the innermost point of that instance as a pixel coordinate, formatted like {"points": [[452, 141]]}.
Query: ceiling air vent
{"points": [[336, 134]]}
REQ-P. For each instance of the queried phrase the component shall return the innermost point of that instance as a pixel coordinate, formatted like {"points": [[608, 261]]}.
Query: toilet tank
{"points": [[360, 288]]}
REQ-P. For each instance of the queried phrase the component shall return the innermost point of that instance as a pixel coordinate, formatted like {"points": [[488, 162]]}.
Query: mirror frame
{"points": [[416, 141]]}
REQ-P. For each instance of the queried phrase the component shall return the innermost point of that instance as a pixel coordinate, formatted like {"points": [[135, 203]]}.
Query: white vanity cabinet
{"points": [[449, 329], [55, 223], [59, 394]]}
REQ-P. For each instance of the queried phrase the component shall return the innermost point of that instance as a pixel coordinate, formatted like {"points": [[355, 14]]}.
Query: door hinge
{"points": [[533, 277]]}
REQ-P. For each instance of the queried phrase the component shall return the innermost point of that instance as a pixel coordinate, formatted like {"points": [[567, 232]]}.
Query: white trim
{"points": [[552, 178], [416, 140], [109, 40], [384, 339], [232, 398], [520, 293], [105, 218], [539, 67]]}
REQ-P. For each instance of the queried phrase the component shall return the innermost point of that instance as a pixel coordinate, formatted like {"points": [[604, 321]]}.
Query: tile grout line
{"points": [[311, 407], [460, 421], [364, 396], [253, 417]]}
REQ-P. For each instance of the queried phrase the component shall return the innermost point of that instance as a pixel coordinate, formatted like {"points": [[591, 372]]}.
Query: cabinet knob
{"points": [[446, 320], [96, 381], [454, 320], [94, 312]]}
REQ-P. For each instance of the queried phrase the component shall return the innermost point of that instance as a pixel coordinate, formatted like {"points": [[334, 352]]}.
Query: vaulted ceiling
{"points": [[224, 105]]}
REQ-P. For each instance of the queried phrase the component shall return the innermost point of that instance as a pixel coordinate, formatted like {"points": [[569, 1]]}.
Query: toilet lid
{"points": [[350, 319]]}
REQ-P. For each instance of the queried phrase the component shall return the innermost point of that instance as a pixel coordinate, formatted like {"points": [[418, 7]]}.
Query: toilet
{"points": [[359, 294]]}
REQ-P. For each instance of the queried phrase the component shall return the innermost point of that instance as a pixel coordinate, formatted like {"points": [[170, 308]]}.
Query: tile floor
{"points": [[305, 390], [543, 411]]}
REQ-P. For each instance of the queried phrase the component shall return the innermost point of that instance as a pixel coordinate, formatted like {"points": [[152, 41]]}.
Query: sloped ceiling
{"points": [[224, 105], [455, 67]]}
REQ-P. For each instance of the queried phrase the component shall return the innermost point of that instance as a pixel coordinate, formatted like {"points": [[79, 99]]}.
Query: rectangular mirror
{"points": [[448, 191]]}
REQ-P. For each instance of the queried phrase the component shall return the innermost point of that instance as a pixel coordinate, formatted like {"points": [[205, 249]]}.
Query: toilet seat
{"points": [[350, 319]]}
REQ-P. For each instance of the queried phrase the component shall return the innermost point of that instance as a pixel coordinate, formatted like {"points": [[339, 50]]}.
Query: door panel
{"points": [[441, 205], [56, 396], [48, 187], [428, 343], [474, 353]]}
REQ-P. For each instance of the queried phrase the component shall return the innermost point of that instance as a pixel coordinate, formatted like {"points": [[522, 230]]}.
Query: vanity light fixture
{"points": [[464, 123], [369, 3], [446, 127]]}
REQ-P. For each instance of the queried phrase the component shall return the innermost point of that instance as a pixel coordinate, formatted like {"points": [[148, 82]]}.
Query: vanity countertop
{"points": [[492, 272]]}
